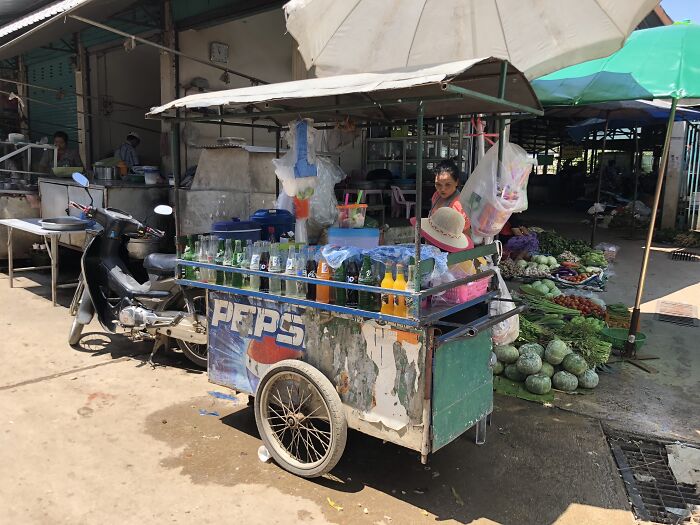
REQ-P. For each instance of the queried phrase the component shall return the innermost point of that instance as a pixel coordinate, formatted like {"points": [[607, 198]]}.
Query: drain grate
{"points": [[653, 490], [684, 255], [677, 313]]}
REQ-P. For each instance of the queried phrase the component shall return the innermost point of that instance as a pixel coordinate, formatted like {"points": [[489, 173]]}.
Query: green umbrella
{"points": [[663, 62], [659, 63]]}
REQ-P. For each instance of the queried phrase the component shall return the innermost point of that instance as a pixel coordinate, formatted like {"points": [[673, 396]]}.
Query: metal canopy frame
{"points": [[270, 110]]}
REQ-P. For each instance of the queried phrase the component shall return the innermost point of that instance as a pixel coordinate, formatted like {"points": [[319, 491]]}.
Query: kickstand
{"points": [[161, 341]]}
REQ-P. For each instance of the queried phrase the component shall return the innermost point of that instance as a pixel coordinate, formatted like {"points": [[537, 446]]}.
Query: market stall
{"points": [[407, 359]]}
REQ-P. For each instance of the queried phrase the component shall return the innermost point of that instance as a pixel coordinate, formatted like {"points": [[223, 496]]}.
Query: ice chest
{"points": [[281, 221], [237, 229], [366, 238]]}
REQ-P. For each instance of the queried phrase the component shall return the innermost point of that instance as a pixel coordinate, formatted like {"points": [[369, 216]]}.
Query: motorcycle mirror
{"points": [[81, 179], [163, 209]]}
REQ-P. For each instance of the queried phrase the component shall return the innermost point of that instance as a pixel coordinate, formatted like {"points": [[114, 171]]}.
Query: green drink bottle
{"points": [[340, 293], [238, 256]]}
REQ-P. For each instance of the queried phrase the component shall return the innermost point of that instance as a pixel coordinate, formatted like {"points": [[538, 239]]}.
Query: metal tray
{"points": [[64, 224]]}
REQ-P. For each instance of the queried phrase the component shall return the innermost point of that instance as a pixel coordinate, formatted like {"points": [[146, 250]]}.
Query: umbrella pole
{"points": [[630, 346], [635, 170], [600, 181]]}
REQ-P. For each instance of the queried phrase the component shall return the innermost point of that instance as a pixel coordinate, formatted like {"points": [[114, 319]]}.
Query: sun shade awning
{"points": [[456, 88], [54, 22]]}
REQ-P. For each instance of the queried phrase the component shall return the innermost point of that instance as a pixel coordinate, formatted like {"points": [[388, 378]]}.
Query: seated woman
{"points": [[66, 157]]}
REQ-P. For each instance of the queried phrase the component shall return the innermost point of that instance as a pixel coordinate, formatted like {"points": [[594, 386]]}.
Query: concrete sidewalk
{"points": [[98, 436]]}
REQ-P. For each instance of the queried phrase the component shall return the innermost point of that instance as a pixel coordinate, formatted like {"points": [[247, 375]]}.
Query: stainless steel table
{"points": [[50, 239]]}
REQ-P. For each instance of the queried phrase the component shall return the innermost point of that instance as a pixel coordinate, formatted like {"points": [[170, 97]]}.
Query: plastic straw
{"points": [[347, 198], [359, 197]]}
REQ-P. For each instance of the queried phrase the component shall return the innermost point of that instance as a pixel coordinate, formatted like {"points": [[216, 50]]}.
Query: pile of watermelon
{"points": [[542, 369]]}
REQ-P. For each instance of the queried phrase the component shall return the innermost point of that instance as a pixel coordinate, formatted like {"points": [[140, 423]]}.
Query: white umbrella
{"points": [[536, 36]]}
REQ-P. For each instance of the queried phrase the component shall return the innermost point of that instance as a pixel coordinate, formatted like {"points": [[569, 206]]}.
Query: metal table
{"points": [[50, 239]]}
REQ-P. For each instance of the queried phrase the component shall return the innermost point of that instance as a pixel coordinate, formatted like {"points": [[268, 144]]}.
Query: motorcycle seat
{"points": [[160, 263]]}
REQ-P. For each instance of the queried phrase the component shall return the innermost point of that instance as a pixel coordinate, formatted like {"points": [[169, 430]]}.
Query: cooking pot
{"points": [[140, 247], [104, 172]]}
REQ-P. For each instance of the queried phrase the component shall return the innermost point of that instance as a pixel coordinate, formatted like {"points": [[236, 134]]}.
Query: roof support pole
{"points": [[253, 80], [630, 345], [419, 189]]}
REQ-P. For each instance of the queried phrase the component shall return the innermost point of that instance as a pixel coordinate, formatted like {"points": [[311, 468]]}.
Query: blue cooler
{"points": [[237, 229], [281, 220]]}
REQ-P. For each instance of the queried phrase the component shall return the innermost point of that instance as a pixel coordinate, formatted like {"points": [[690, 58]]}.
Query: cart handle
{"points": [[478, 326]]}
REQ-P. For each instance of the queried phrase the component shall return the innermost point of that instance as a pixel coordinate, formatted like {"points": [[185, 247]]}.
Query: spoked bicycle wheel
{"points": [[300, 418]]}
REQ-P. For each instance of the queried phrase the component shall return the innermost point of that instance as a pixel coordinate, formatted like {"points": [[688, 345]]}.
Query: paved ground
{"points": [[664, 403], [97, 436]]}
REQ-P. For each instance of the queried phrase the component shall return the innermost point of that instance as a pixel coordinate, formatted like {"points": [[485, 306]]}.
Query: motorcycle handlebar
{"points": [[80, 207], [155, 233]]}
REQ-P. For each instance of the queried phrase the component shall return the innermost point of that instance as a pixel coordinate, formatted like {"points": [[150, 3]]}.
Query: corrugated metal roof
{"points": [[41, 14]]}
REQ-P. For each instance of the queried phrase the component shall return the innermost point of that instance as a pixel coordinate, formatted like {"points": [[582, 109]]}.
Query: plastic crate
{"points": [[467, 292]]}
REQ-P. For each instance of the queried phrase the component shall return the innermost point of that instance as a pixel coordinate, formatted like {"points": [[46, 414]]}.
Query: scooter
{"points": [[158, 309]]}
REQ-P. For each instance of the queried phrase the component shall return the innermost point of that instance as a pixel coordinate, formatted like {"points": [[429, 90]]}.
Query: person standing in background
{"points": [[127, 151]]}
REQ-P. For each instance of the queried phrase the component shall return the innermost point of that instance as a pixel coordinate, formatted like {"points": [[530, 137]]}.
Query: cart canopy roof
{"points": [[456, 88]]}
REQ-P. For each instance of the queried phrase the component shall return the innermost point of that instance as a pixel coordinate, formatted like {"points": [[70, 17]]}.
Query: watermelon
{"points": [[556, 351], [512, 373], [506, 353], [498, 368], [565, 381], [529, 363], [547, 369], [574, 363], [532, 347], [589, 379], [538, 384]]}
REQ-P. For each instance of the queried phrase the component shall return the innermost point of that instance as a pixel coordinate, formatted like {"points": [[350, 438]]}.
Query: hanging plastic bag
{"points": [[323, 204], [506, 331], [490, 201]]}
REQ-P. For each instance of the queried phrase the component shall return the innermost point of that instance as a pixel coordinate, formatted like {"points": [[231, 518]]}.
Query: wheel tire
{"points": [[322, 391], [193, 353], [76, 331]]}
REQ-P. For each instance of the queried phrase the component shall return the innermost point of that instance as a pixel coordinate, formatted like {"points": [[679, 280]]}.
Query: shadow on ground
{"points": [[536, 464]]}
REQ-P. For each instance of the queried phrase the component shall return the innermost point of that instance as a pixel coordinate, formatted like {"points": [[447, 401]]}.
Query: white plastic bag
{"points": [[506, 331], [323, 204], [490, 202]]}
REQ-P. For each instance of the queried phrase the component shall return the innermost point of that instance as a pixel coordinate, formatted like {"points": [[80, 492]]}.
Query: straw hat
{"points": [[445, 229]]}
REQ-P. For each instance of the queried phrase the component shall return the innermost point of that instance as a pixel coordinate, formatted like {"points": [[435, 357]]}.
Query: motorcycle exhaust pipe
{"points": [[137, 316]]}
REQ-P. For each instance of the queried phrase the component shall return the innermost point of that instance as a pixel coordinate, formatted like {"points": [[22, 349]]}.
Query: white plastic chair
{"points": [[400, 200]]}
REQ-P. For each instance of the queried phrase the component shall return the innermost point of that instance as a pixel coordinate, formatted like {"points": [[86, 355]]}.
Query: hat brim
{"points": [[457, 244]]}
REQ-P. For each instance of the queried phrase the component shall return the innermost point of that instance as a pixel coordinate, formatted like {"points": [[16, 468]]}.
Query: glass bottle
{"points": [[228, 261], [323, 271], [236, 260], [265, 266], [367, 300], [276, 268], [352, 276], [196, 256], [311, 273], [300, 269], [202, 257], [340, 297], [399, 300], [245, 264], [219, 260], [290, 287], [255, 265], [189, 255], [387, 298], [411, 303]]}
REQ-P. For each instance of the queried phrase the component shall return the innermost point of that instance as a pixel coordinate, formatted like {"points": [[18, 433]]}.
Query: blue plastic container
{"points": [[281, 221], [237, 229]]}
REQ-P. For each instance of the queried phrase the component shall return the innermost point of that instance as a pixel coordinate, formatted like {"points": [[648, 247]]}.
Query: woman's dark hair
{"points": [[449, 167], [61, 134]]}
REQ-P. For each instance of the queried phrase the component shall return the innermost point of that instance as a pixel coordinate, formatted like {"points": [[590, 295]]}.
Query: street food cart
{"points": [[315, 368]]}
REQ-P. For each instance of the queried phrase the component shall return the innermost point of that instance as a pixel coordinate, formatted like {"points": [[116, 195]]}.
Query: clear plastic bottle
{"points": [[196, 257], [245, 264], [323, 271], [300, 269], [228, 261], [202, 257], [387, 283], [276, 268], [411, 303], [238, 256], [399, 300]]}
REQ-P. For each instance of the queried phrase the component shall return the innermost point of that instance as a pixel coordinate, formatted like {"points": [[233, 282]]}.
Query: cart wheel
{"points": [[300, 418]]}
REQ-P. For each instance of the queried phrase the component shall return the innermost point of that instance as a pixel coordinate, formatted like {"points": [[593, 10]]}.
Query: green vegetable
{"points": [[529, 363], [547, 369], [506, 353], [522, 263], [565, 381], [532, 347], [550, 284], [538, 384], [556, 351], [498, 368], [589, 379], [574, 363], [512, 373]]}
